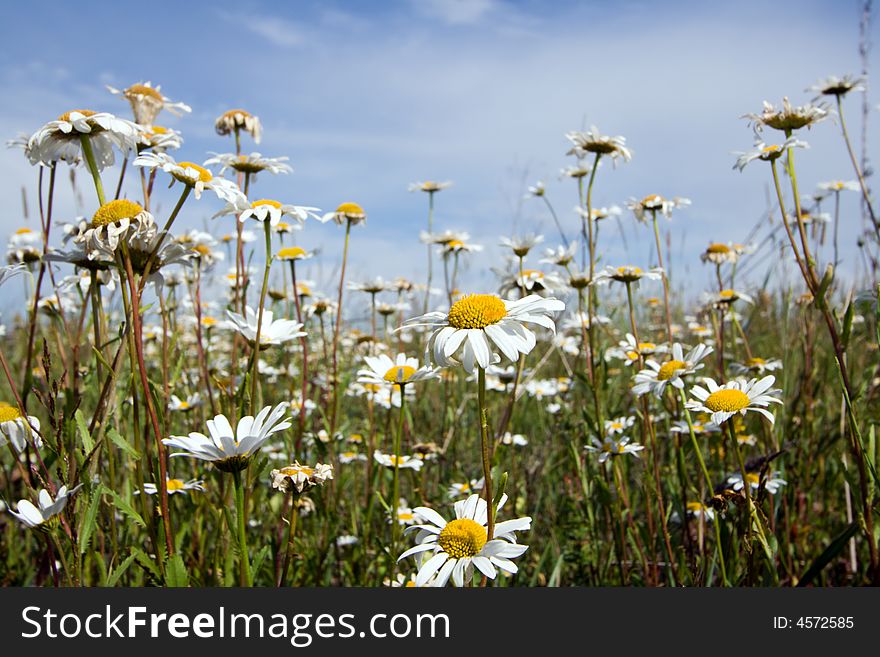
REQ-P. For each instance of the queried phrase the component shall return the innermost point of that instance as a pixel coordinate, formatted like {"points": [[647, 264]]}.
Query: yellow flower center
{"points": [[266, 201], [695, 507], [143, 90], [350, 209], [718, 248], [752, 478], [292, 471], [175, 484], [291, 253], [756, 362], [405, 515], [203, 250], [23, 231], [616, 426], [770, 149], [208, 321], [462, 538], [204, 174], [477, 311], [233, 114], [399, 374], [66, 115], [652, 201], [728, 400], [454, 244], [114, 211], [8, 413], [532, 273], [669, 369], [184, 405]]}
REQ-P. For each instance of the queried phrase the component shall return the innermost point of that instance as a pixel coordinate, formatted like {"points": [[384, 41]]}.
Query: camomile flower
{"points": [[652, 204], [619, 425], [382, 370], [374, 286], [719, 253], [230, 450], [787, 118], [17, 428], [346, 212], [580, 320], [176, 486], [235, 121], [289, 253], [429, 186], [736, 396], [727, 297], [700, 428], [592, 142], [454, 247], [401, 462], [296, 477], [699, 511], [458, 546], [699, 330], [561, 256], [192, 175], [756, 365], [465, 488], [113, 222], [837, 86], [603, 213], [351, 457], [629, 350], [405, 515], [272, 211], [159, 139], [579, 170], [33, 516], [476, 322], [521, 245], [515, 439], [533, 280], [178, 405], [250, 164], [611, 447], [61, 140], [655, 377], [347, 540], [537, 190], [767, 152], [147, 101], [272, 331], [400, 581], [772, 483], [839, 186], [626, 274]]}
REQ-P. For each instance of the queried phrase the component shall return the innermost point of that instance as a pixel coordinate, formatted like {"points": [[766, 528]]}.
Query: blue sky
{"points": [[366, 97]]}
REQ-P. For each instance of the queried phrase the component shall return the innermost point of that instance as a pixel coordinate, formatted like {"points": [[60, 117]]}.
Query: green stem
{"points": [[259, 337], [93, 167], [245, 577], [484, 444]]}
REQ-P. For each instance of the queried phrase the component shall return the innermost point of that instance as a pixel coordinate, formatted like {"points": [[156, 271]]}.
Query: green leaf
{"points": [[148, 564], [829, 553], [259, 560], [175, 572], [85, 435], [125, 507], [90, 519], [122, 444], [119, 571]]}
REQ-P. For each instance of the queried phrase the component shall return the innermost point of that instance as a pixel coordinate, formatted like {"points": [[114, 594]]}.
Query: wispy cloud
{"points": [[457, 12], [274, 29]]}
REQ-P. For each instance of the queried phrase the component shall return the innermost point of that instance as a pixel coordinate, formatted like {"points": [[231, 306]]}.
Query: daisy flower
{"points": [[251, 164], [114, 222], [351, 457], [719, 253], [192, 175], [61, 140], [699, 511], [17, 428], [429, 186], [611, 447], [772, 484], [521, 245], [346, 212], [655, 204], [787, 117], [230, 450], [626, 274], [159, 139], [464, 488], [737, 396], [401, 462], [837, 86], [178, 486], [619, 425], [405, 515], [476, 322], [700, 428], [537, 190], [237, 120], [592, 141], [147, 101], [293, 253], [374, 286], [34, 516], [400, 371], [655, 377], [296, 477], [560, 256], [272, 331], [756, 365], [458, 546], [179, 405], [839, 186], [767, 152], [515, 439], [727, 297], [272, 211]]}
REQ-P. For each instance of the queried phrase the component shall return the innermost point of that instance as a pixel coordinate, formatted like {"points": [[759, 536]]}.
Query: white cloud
{"points": [[274, 29], [457, 12]]}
